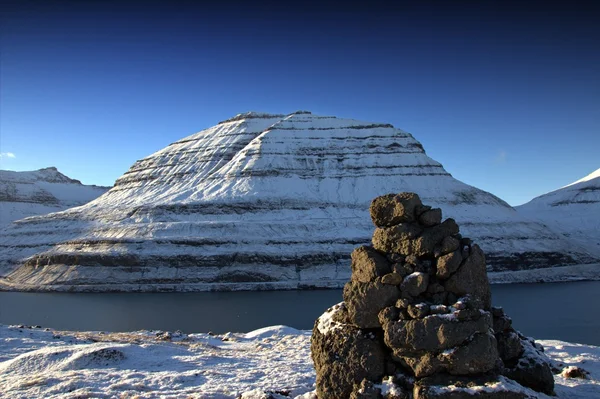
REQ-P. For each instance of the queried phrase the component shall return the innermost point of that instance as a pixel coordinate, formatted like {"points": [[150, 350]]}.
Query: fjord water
{"points": [[564, 311]]}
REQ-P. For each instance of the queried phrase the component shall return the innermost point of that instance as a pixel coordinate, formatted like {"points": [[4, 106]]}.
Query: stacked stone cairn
{"points": [[417, 319]]}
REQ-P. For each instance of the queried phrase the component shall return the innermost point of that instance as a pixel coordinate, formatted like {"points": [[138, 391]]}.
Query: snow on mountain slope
{"points": [[259, 202], [42, 191], [573, 210]]}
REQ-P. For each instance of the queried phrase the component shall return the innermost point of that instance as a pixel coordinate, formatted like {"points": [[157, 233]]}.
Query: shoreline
{"points": [[559, 274]]}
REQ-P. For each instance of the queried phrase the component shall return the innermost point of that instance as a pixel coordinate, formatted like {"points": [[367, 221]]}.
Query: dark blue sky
{"points": [[505, 94]]}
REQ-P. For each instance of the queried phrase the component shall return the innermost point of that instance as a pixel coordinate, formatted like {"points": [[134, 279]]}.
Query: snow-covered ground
{"points": [[43, 363]]}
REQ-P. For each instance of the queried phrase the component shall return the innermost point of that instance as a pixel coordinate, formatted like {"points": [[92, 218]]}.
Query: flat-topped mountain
{"points": [[42, 191], [259, 201], [573, 210]]}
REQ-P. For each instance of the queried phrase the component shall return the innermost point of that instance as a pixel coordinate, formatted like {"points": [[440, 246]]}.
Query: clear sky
{"points": [[505, 94]]}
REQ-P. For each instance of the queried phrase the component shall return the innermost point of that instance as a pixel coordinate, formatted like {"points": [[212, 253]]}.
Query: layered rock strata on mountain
{"points": [[39, 192], [258, 201], [573, 210], [417, 319]]}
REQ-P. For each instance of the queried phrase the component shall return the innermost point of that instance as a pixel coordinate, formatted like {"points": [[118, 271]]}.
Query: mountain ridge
{"points": [[31, 193], [259, 200], [572, 210]]}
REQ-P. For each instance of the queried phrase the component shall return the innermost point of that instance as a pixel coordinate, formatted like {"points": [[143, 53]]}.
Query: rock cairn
{"points": [[417, 320]]}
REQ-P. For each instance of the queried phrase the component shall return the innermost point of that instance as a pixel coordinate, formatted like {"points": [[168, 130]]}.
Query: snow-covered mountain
{"points": [[42, 191], [259, 201], [573, 210]]}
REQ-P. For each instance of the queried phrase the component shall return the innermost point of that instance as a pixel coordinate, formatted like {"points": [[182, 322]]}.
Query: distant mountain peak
{"points": [[260, 201], [41, 191], [594, 175]]}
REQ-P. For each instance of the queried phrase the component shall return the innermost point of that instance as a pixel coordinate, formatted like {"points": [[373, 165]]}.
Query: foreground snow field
{"points": [[44, 363]]}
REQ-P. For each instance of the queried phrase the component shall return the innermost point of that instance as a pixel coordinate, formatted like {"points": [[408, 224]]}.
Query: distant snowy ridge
{"points": [[573, 210], [39, 192], [259, 201]]}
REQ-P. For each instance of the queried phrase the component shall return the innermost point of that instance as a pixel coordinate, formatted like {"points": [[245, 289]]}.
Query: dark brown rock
{"points": [[509, 345], [532, 369], [472, 387], [471, 279], [575, 372], [402, 303], [434, 287], [414, 284], [419, 209], [418, 311], [448, 244], [403, 269], [391, 209], [448, 264], [468, 314], [502, 323], [392, 279], [368, 264], [396, 239], [426, 243], [386, 315], [434, 333], [475, 356], [431, 217], [366, 390], [343, 356], [365, 300]]}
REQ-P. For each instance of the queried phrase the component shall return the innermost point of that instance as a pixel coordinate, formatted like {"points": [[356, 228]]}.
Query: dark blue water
{"points": [[565, 311]]}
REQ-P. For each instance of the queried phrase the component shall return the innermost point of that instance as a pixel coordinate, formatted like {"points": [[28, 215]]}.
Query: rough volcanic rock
{"points": [[532, 368], [433, 333], [365, 300], [455, 387], [260, 201], [392, 209], [471, 279], [368, 264], [434, 314], [344, 355]]}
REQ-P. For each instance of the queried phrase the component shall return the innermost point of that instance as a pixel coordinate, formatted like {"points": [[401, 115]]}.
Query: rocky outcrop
{"points": [[262, 201], [24, 194], [417, 315]]}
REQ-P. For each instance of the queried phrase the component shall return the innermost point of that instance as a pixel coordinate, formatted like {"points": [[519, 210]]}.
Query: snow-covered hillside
{"points": [[273, 362], [39, 192], [259, 202], [573, 210]]}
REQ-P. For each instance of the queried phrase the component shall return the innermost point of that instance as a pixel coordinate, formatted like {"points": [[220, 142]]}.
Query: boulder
{"points": [[431, 217], [471, 279], [391, 209], [344, 355], [368, 264], [414, 284], [532, 369], [434, 333], [365, 300], [426, 243], [448, 264], [477, 355], [396, 239]]}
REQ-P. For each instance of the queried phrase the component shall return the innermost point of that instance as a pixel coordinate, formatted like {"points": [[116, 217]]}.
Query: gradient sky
{"points": [[505, 94]]}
